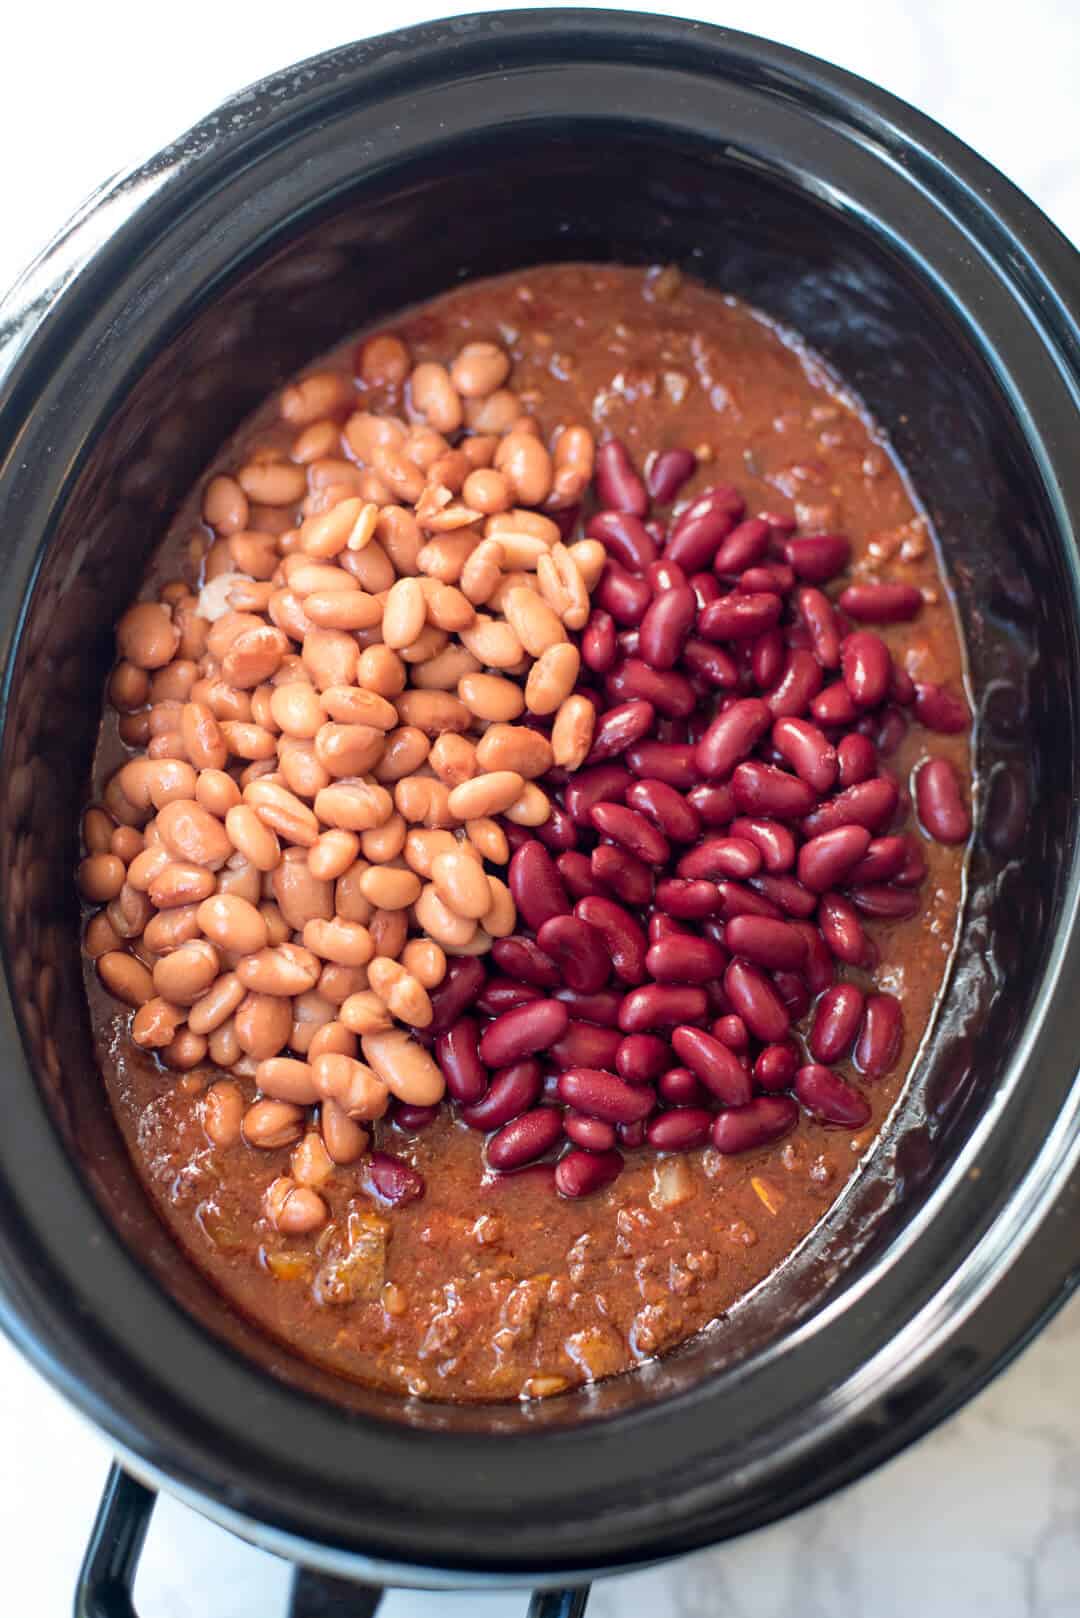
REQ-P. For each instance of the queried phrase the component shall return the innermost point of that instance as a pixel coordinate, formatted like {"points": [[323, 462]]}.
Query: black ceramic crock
{"points": [[319, 201]]}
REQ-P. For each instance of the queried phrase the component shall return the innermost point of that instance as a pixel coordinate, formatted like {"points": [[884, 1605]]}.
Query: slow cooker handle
{"points": [[107, 1576]]}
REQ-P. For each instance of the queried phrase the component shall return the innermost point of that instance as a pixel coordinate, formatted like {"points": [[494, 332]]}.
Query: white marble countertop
{"points": [[982, 1517]]}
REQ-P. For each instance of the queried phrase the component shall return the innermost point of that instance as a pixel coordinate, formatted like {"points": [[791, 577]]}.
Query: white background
{"points": [[983, 1517]]}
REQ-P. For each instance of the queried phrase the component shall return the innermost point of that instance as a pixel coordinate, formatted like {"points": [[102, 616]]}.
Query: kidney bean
{"points": [[536, 886], [591, 1134], [673, 763], [604, 1095], [941, 808], [688, 899], [412, 1119], [797, 687], [715, 804], [577, 951], [866, 667], [457, 1052], [524, 1138], [393, 1180], [794, 993], [759, 1123], [817, 968], [580, 1174], [667, 472], [706, 588], [619, 728], [857, 759], [512, 1091], [775, 944], [627, 876], [658, 1005], [606, 783], [602, 1007], [516, 836], [773, 841], [740, 617], [836, 1021], [576, 872], [732, 1032], [456, 993], [558, 832], [715, 1064], [829, 1097], [881, 603], [939, 709], [523, 959], [622, 595], [671, 694], [721, 856], [808, 752], [767, 655], [884, 859], [503, 994], [776, 1066], [681, 1088], [586, 1044], [891, 731], [524, 1030], [731, 736], [880, 1037], [817, 557], [625, 537], [710, 664], [685, 959], [679, 1131], [834, 706], [617, 483], [881, 900], [666, 625], [662, 926], [736, 899], [756, 1001], [761, 789], [913, 869], [599, 649], [869, 803], [825, 860], [632, 831], [667, 810], [696, 536], [622, 936], [746, 544], [642, 1058], [817, 613], [663, 575], [842, 930]]}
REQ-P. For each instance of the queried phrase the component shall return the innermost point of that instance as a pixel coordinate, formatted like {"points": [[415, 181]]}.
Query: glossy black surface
{"points": [[312, 205]]}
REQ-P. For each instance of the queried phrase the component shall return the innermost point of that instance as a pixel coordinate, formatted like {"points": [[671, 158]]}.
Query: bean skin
{"points": [[761, 1122], [525, 1138], [622, 936], [536, 885], [512, 1091], [581, 1174], [880, 1037], [715, 1065], [522, 1032], [836, 1022], [685, 959], [667, 809], [776, 945], [632, 830], [603, 1095], [679, 1131], [755, 1000]]}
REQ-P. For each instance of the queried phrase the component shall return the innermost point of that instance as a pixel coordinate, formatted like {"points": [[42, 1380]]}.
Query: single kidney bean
{"points": [[524, 1030], [761, 789], [579, 1174], [817, 968], [881, 603], [457, 1052], [456, 993], [413, 1119], [670, 693], [666, 473], [710, 664], [586, 1044], [869, 803], [777, 1065], [393, 1180], [666, 625], [715, 1064], [558, 832], [681, 1088], [629, 878], [856, 757], [767, 658], [663, 575], [622, 595], [866, 667], [880, 1037], [797, 687], [793, 992], [836, 1022], [577, 950], [731, 736], [941, 808], [736, 899], [522, 958], [512, 1091], [842, 930], [679, 1131], [685, 959], [739, 617], [604, 1095], [673, 763], [536, 885], [715, 804], [773, 841], [817, 557], [658, 1005], [576, 872], [767, 577], [622, 936], [602, 1007], [732, 1032], [617, 483], [759, 1123], [884, 859], [825, 860], [632, 831], [503, 994], [599, 648], [834, 706], [665, 807], [696, 536], [817, 613], [829, 1097], [721, 856], [641, 1058], [808, 751], [525, 1138], [689, 900], [591, 1134], [939, 709], [756, 1001], [606, 783], [881, 900], [625, 537], [619, 728], [746, 544], [774, 944]]}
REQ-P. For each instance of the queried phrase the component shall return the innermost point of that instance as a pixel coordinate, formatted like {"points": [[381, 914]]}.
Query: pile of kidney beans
{"points": [[705, 874]]}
